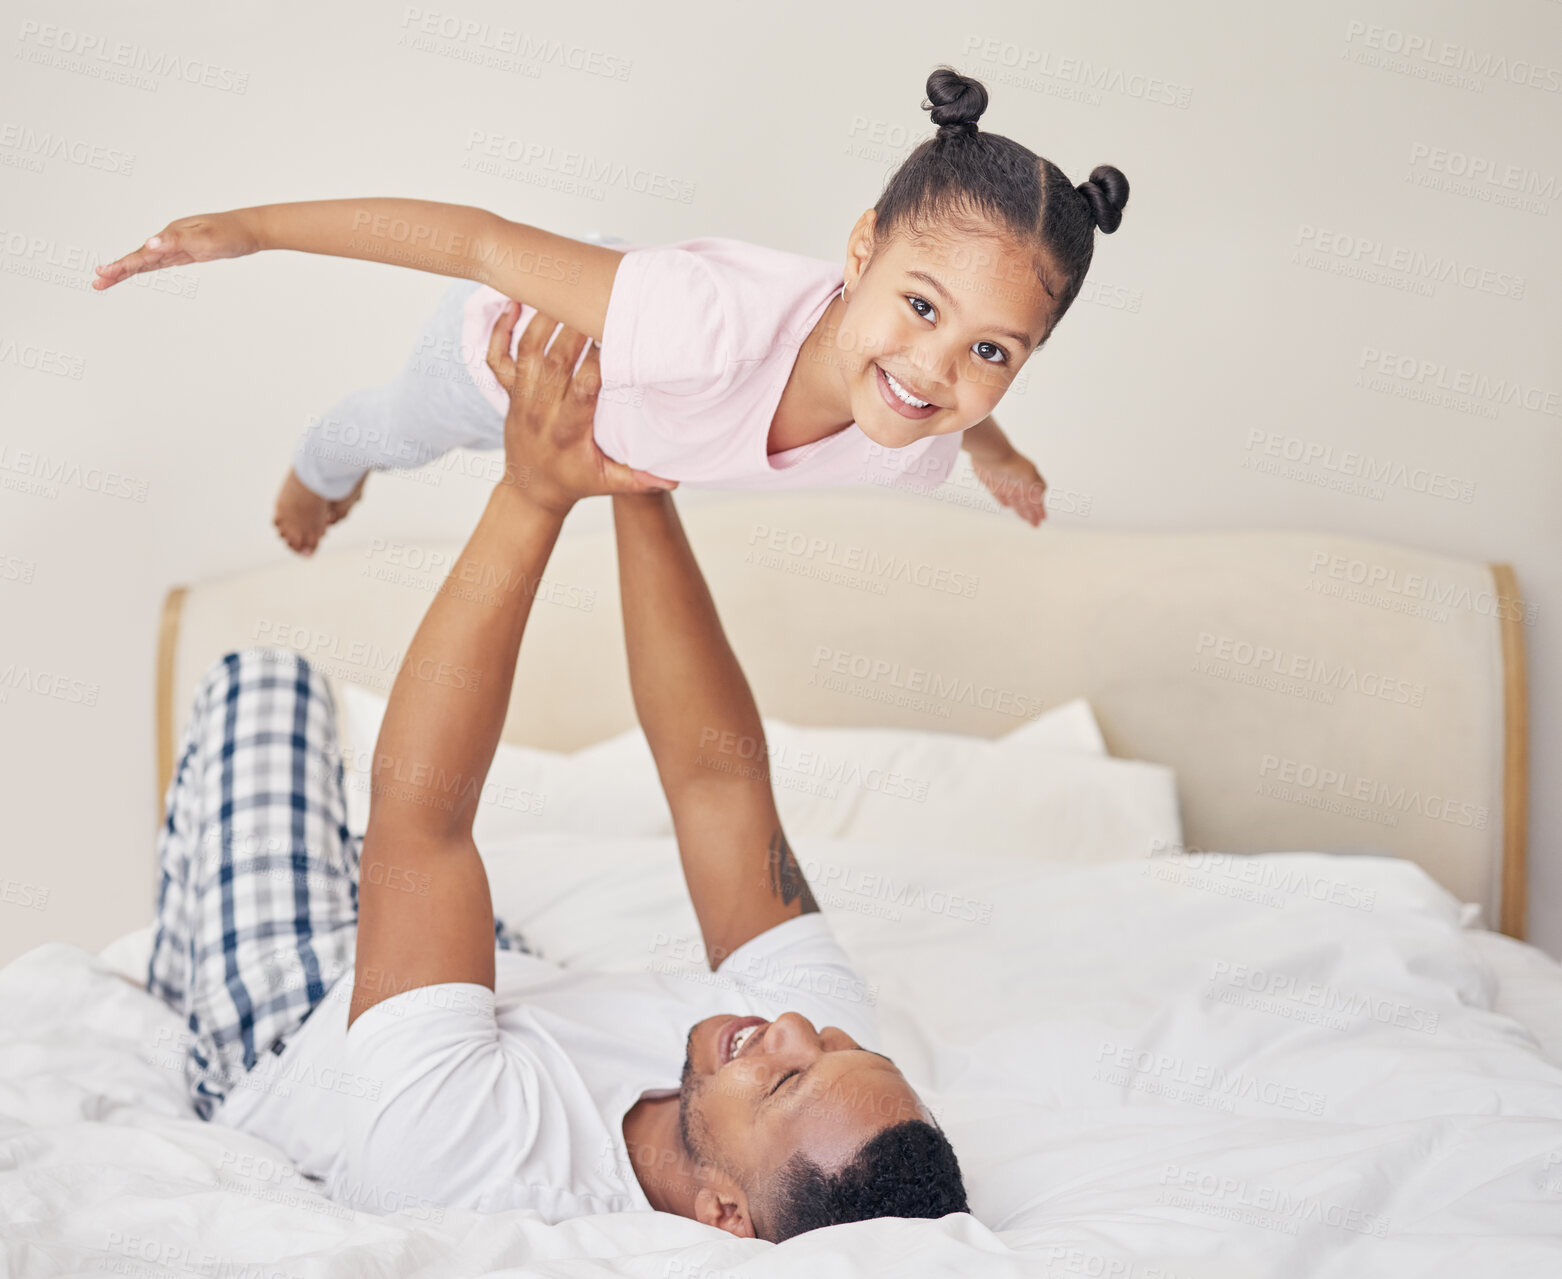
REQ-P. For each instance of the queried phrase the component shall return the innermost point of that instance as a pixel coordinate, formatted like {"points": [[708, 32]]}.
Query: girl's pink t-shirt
{"points": [[699, 341]]}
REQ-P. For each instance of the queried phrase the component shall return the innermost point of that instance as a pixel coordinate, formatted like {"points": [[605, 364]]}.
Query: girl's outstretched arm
{"points": [[1008, 474], [561, 277]]}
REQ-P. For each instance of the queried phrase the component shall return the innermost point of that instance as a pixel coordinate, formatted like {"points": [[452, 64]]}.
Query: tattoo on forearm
{"points": [[786, 876]]}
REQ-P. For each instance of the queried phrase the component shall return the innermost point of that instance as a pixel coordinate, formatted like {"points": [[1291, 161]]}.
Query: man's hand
{"points": [[549, 451], [205, 238]]}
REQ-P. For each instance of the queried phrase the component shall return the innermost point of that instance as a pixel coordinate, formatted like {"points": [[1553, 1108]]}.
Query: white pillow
{"points": [[1070, 727], [610, 788], [1046, 790], [1033, 793]]}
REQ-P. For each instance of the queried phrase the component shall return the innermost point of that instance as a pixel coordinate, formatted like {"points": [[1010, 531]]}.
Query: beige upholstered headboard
{"points": [[1311, 691]]}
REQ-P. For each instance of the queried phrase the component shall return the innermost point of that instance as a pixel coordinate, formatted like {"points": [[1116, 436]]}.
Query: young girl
{"points": [[724, 364]]}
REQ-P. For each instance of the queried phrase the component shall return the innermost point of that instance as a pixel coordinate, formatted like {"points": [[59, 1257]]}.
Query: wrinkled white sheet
{"points": [[1183, 1066]]}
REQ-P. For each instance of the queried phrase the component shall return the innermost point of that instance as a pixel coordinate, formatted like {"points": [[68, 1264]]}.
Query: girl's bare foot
{"points": [[302, 515], [340, 506]]}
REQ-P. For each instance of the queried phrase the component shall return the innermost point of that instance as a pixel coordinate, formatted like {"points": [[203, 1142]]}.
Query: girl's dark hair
{"points": [[960, 175]]}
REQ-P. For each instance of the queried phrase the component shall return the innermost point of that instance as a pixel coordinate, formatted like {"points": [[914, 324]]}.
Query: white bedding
{"points": [[1151, 1067], [1114, 1115], [1048, 789]]}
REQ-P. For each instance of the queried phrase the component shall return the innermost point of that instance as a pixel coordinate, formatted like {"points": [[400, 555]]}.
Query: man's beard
{"points": [[691, 1127]]}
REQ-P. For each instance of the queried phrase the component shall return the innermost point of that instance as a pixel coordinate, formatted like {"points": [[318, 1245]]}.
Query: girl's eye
{"points": [[782, 1080], [992, 348]]}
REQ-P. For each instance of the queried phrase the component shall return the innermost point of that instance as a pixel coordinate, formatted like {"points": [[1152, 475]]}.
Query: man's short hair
{"points": [[907, 1170]]}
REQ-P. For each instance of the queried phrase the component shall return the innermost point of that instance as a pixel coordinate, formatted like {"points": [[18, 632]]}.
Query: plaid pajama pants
{"points": [[257, 907]]}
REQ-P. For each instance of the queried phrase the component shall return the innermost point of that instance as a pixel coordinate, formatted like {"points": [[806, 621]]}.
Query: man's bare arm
{"points": [[565, 278], [425, 916], [705, 733]]}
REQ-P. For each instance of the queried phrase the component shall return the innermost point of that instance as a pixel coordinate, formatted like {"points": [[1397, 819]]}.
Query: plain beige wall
{"points": [[1305, 258]]}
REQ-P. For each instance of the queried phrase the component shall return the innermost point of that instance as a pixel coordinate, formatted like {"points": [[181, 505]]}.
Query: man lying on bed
{"points": [[448, 1066]]}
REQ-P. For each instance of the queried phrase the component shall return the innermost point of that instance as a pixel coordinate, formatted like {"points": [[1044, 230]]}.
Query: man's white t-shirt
{"points": [[457, 1095]]}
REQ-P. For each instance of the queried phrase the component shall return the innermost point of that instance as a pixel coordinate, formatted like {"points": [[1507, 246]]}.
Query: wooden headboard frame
{"points": [[1514, 915], [712, 535]]}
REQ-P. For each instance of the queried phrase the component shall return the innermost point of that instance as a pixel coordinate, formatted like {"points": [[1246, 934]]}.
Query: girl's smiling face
{"points": [[935, 327]]}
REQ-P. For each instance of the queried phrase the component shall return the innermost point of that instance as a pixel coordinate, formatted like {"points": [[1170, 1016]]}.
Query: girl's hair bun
{"points": [[1106, 193], [956, 101]]}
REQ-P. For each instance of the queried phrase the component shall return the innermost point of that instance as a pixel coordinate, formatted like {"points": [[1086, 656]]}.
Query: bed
{"points": [[1187, 871]]}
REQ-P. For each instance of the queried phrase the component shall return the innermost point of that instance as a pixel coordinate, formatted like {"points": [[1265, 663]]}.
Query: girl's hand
{"points": [[205, 238], [1013, 479]]}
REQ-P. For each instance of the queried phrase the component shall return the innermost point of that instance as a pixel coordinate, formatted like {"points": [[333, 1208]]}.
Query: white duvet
{"points": [[1162, 1067], [1152, 1067]]}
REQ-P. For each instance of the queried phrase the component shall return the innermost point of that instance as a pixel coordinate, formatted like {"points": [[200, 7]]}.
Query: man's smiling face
{"points": [[755, 1093]]}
